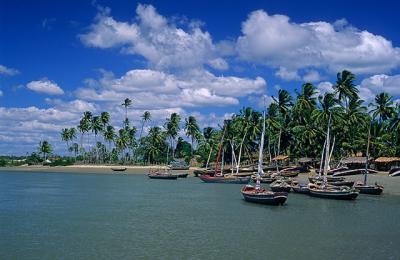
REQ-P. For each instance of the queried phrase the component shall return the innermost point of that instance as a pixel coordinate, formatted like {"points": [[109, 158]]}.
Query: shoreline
{"points": [[81, 168]]}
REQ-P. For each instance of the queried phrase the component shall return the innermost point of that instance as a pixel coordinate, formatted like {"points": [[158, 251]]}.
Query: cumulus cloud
{"points": [[155, 38], [197, 88], [376, 84], [286, 74], [324, 87], [312, 76], [275, 41], [8, 71], [45, 86]]}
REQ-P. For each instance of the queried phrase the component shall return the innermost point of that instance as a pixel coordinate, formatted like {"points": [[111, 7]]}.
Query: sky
{"points": [[203, 58]]}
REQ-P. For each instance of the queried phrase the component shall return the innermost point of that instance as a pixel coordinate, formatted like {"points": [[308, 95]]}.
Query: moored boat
{"points": [[369, 189], [300, 187], [258, 194], [280, 186], [263, 179], [182, 175], [263, 196], [338, 193], [162, 176], [230, 179]]}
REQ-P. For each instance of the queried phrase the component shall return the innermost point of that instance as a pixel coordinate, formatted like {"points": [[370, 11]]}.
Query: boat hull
{"points": [[395, 173], [275, 199], [337, 195], [118, 169], [182, 175], [163, 176], [217, 179], [372, 190]]}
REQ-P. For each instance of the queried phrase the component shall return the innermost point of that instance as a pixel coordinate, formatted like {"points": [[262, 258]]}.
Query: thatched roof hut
{"points": [[385, 163], [354, 160], [387, 159]]}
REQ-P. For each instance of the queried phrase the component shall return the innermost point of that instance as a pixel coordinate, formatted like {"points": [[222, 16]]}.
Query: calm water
{"points": [[54, 215]]}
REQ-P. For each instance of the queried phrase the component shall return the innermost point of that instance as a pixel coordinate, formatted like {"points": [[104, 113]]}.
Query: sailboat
{"points": [[328, 191], [363, 187], [260, 194], [219, 177]]}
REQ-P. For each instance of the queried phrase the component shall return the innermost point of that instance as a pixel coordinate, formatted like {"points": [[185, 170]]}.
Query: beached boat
{"points": [[280, 186], [264, 178], [300, 187], [230, 179], [353, 172], [328, 178], [118, 169], [161, 174], [178, 164], [258, 194], [363, 186], [394, 172], [328, 191]]}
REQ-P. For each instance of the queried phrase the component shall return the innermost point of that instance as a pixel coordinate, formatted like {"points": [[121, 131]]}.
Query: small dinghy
{"points": [[227, 178], [119, 169], [264, 178], [394, 172], [329, 192]]}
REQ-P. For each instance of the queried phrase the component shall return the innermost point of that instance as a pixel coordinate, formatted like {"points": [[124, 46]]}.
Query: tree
{"points": [[192, 130], [172, 130], [145, 118], [45, 149], [127, 103], [383, 107], [345, 87]]}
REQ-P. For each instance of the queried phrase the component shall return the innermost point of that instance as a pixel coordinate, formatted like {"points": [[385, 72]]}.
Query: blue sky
{"points": [[206, 58]]}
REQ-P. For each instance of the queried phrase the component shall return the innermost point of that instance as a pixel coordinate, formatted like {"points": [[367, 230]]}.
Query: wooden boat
{"points": [[338, 193], [263, 196], [300, 187], [179, 164], [342, 183], [225, 179], [119, 169], [328, 178], [335, 170], [363, 186], [326, 190], [162, 176], [353, 172], [394, 173], [280, 186], [264, 179], [289, 174], [369, 189], [258, 194]]}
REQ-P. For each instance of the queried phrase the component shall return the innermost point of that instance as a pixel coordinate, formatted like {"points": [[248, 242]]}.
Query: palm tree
{"points": [[172, 130], [383, 107], [105, 119], [109, 136], [65, 136], [145, 118], [97, 127], [127, 103], [45, 148], [192, 130], [345, 87]]}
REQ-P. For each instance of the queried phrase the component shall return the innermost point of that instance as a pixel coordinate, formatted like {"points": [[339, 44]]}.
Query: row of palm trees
{"points": [[294, 126]]}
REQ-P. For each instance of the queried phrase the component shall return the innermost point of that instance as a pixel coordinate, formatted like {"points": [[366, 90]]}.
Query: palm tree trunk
{"points": [[209, 156]]}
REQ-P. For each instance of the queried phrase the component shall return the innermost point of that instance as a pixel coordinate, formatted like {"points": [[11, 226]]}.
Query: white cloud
{"points": [[286, 74], [158, 40], [311, 76], [45, 86], [1, 93], [155, 89], [275, 41], [376, 84], [8, 71], [324, 87]]}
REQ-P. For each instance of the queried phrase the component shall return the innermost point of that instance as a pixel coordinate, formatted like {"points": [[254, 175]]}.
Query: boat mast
{"points": [[322, 159], [260, 155], [367, 154], [219, 152], [327, 150]]}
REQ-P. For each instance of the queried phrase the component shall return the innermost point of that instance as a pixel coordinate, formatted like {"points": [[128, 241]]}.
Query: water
{"points": [[103, 216]]}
